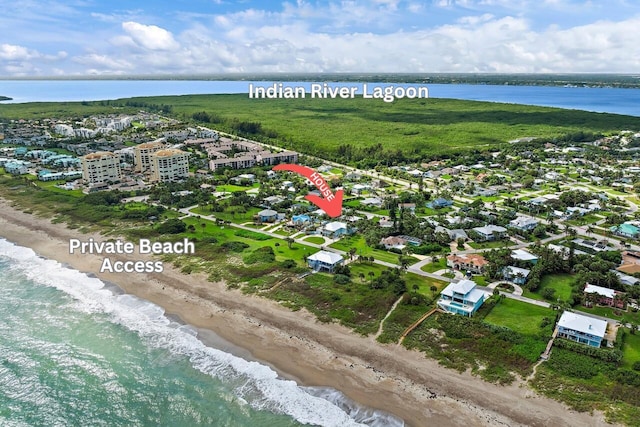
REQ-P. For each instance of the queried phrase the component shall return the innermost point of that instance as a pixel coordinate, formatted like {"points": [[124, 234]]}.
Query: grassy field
{"points": [[432, 267], [419, 126], [631, 350], [362, 249], [318, 240], [492, 244], [560, 282], [521, 317]]}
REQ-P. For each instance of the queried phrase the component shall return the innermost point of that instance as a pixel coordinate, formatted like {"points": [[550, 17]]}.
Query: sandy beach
{"points": [[298, 346]]}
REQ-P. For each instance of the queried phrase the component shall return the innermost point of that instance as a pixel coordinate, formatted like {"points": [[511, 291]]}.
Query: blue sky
{"points": [[91, 37]]}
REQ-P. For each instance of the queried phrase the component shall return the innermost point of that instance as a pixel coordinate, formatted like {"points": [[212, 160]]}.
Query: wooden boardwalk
{"points": [[416, 324], [545, 355]]}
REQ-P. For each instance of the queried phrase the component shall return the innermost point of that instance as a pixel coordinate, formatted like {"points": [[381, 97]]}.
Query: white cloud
{"points": [[347, 36], [10, 52], [150, 36]]}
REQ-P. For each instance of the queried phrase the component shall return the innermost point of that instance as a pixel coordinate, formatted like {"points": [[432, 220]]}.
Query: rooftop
{"points": [[581, 323]]}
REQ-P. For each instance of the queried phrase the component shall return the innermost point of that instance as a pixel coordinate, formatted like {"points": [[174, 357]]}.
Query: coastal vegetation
{"points": [[358, 131], [377, 293]]}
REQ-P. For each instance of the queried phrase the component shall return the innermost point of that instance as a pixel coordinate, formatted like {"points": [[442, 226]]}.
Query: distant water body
{"points": [[74, 352], [604, 100]]}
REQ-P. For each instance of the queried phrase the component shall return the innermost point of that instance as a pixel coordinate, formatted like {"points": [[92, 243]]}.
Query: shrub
{"points": [[234, 246], [341, 279], [261, 255], [172, 226], [288, 263]]}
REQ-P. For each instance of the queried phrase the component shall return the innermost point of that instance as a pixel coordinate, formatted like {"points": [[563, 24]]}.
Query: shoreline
{"points": [[296, 345]]}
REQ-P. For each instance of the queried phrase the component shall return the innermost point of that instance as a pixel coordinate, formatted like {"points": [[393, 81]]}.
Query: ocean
{"points": [[77, 351], [604, 100]]}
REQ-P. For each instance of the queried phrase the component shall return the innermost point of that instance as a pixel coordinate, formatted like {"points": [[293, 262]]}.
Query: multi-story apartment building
{"points": [[169, 164], [142, 155], [99, 167]]}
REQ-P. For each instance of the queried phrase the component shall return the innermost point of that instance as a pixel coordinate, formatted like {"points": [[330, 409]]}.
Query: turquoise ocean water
{"points": [[76, 352]]}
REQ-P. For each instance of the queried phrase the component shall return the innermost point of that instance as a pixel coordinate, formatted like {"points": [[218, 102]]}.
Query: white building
{"points": [[142, 155], [99, 167], [170, 164]]}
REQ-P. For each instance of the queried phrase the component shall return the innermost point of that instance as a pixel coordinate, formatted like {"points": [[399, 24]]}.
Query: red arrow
{"points": [[331, 203]]}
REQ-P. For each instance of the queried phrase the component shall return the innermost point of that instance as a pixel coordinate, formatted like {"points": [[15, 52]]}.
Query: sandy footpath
{"points": [[385, 377]]}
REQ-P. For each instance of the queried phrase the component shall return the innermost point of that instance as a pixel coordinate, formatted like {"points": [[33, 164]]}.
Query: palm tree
{"points": [[415, 288], [289, 241], [371, 275], [590, 229], [433, 289]]}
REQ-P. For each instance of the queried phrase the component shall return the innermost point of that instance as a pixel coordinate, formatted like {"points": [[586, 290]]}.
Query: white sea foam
{"points": [[257, 384]]}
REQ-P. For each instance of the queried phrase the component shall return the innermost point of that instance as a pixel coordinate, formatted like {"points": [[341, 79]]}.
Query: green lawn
{"points": [[560, 282], [521, 317], [424, 284], [227, 233], [490, 245], [231, 214], [623, 316], [631, 350], [315, 239], [584, 220], [359, 243], [432, 267]]}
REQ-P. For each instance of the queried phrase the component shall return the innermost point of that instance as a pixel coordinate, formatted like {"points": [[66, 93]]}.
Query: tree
{"points": [[371, 275], [289, 241], [433, 289], [415, 288]]}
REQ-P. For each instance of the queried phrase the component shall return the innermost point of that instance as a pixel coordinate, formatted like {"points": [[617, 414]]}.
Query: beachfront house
{"points": [[583, 329], [324, 261], [461, 298]]}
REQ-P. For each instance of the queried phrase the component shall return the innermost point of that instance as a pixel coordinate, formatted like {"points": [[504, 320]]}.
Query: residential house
{"points": [[485, 192], [490, 232], [413, 241], [515, 274], [602, 296], [474, 263], [359, 189], [461, 298], [393, 242], [372, 201], [300, 219], [267, 215], [324, 261], [16, 167], [524, 223], [626, 230], [440, 203], [411, 207], [522, 255], [583, 329], [273, 200], [335, 229]]}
